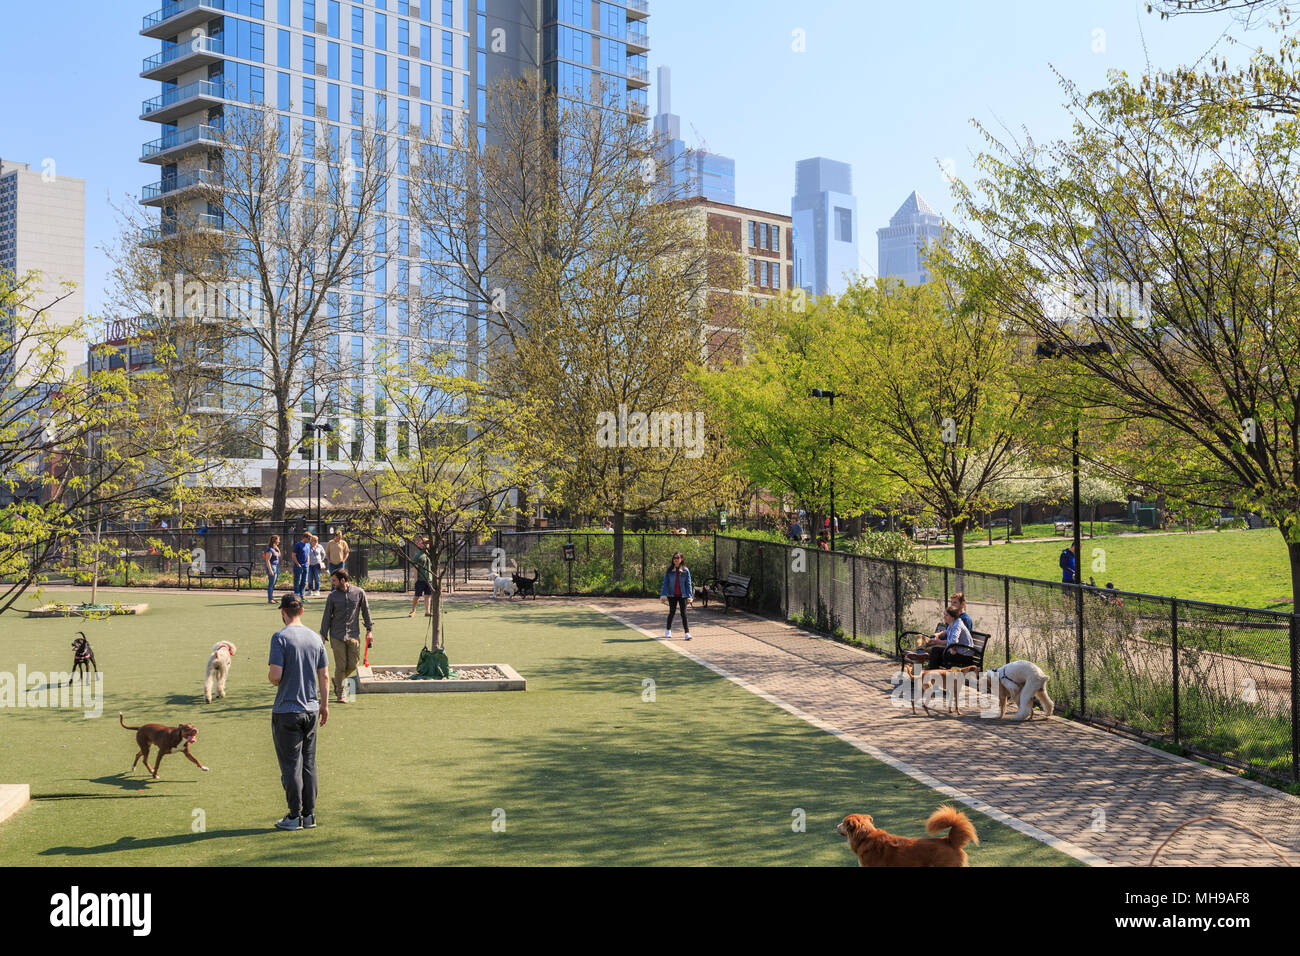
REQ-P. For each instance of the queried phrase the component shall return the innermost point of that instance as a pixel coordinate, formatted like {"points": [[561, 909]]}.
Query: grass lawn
{"points": [[585, 771], [1247, 568]]}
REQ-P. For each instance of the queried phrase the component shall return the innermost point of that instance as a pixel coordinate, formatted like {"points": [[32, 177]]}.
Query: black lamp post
{"points": [[316, 428], [825, 393]]}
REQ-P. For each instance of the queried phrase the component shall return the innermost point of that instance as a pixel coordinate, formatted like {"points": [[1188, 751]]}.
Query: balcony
{"points": [[175, 103], [180, 16], [180, 142], [637, 78], [187, 55], [638, 38], [638, 9], [171, 189], [204, 222]]}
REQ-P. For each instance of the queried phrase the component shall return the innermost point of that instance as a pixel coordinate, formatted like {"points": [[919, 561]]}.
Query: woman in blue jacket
{"points": [[676, 591]]}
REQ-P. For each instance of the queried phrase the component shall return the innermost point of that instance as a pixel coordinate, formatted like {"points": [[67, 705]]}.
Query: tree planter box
{"points": [[72, 610], [369, 681], [13, 797]]}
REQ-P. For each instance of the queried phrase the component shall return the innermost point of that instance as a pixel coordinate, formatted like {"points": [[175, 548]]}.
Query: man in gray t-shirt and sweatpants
{"points": [[299, 668]]}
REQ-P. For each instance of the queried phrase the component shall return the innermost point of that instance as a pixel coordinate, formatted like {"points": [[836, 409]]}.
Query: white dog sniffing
{"points": [[223, 653], [1025, 682], [503, 587]]}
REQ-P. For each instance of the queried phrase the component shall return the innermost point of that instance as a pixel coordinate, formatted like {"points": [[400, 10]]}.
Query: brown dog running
{"points": [[875, 847], [166, 739]]}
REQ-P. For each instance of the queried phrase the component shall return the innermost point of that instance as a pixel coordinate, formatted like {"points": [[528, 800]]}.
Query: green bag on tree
{"points": [[433, 664]]}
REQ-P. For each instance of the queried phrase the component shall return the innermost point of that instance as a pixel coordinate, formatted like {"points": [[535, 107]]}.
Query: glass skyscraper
{"points": [[902, 244], [328, 67], [825, 215], [688, 173]]}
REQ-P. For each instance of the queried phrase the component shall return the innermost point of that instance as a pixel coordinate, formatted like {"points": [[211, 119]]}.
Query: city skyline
{"points": [[994, 50]]}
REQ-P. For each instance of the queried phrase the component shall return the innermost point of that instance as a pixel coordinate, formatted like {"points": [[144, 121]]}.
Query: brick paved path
{"points": [[1095, 795]]}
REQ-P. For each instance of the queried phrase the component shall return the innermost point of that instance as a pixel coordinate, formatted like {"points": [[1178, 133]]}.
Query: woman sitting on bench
{"points": [[952, 646]]}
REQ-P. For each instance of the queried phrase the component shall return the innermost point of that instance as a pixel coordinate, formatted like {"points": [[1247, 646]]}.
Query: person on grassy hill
{"points": [[1069, 565], [299, 669], [346, 609], [423, 577], [676, 591]]}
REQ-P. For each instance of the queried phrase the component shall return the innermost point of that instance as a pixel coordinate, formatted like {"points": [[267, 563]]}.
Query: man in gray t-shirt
{"points": [[299, 669]]}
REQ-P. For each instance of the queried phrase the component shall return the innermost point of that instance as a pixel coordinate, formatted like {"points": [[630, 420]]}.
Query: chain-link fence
{"points": [[592, 565], [1217, 681]]}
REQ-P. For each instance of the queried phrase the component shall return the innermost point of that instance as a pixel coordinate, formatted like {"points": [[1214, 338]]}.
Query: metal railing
{"points": [[202, 177], [202, 44], [1213, 680], [179, 94], [182, 137], [170, 10]]}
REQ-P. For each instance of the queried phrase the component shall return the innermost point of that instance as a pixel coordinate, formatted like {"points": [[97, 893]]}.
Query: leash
{"points": [[1231, 823]]}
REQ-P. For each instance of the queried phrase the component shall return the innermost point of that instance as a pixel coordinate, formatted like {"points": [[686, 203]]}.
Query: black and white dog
{"points": [[83, 658]]}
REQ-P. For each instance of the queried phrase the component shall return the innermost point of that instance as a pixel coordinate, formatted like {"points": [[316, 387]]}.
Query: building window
{"points": [[843, 224], [753, 238]]}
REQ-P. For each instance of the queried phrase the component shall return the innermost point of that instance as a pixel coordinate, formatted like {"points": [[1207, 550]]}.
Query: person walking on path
{"points": [[1069, 565], [271, 558], [301, 558], [423, 577], [346, 609], [676, 590], [336, 552], [299, 669]]}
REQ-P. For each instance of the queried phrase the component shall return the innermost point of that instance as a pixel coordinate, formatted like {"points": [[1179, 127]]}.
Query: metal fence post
{"points": [[1078, 626], [643, 585], [1173, 644], [853, 592], [1006, 614], [898, 606], [818, 598], [1295, 698], [946, 592], [785, 575], [715, 555]]}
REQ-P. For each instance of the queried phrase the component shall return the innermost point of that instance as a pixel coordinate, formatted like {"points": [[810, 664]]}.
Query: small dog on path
{"points": [[223, 653], [875, 847], [166, 739]]}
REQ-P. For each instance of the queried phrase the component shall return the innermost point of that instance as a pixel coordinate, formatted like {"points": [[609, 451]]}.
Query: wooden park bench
{"points": [[731, 591], [1064, 527], [979, 641]]}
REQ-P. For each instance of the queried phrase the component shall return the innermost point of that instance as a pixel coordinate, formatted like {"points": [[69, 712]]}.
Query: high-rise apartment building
{"points": [[825, 216], [327, 68], [43, 228], [687, 173], [903, 243]]}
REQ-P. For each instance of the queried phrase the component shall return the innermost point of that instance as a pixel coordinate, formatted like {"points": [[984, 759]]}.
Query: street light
{"points": [[1052, 350], [825, 393], [316, 428]]}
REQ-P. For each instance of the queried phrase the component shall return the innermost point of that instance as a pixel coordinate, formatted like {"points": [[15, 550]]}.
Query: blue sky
{"points": [[889, 87]]}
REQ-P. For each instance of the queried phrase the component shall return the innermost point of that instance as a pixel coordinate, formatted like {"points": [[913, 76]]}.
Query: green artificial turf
{"points": [[584, 770], [1245, 568]]}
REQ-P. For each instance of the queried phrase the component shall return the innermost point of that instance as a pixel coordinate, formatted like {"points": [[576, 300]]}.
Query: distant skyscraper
{"points": [[692, 173], [825, 217], [903, 242], [43, 228]]}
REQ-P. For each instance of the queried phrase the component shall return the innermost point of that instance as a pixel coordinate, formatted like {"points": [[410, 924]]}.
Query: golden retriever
{"points": [[875, 847]]}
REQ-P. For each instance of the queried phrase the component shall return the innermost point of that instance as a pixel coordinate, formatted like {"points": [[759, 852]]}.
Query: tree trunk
{"points": [[435, 608], [282, 456], [523, 519], [958, 545], [618, 545], [1017, 520]]}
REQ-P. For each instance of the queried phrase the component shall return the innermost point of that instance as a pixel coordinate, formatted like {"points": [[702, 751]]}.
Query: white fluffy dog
{"points": [[503, 587], [1026, 682], [223, 652]]}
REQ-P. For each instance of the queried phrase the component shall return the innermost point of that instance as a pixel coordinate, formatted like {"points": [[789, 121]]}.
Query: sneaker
{"points": [[289, 823], [668, 635], [688, 636], [308, 821]]}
